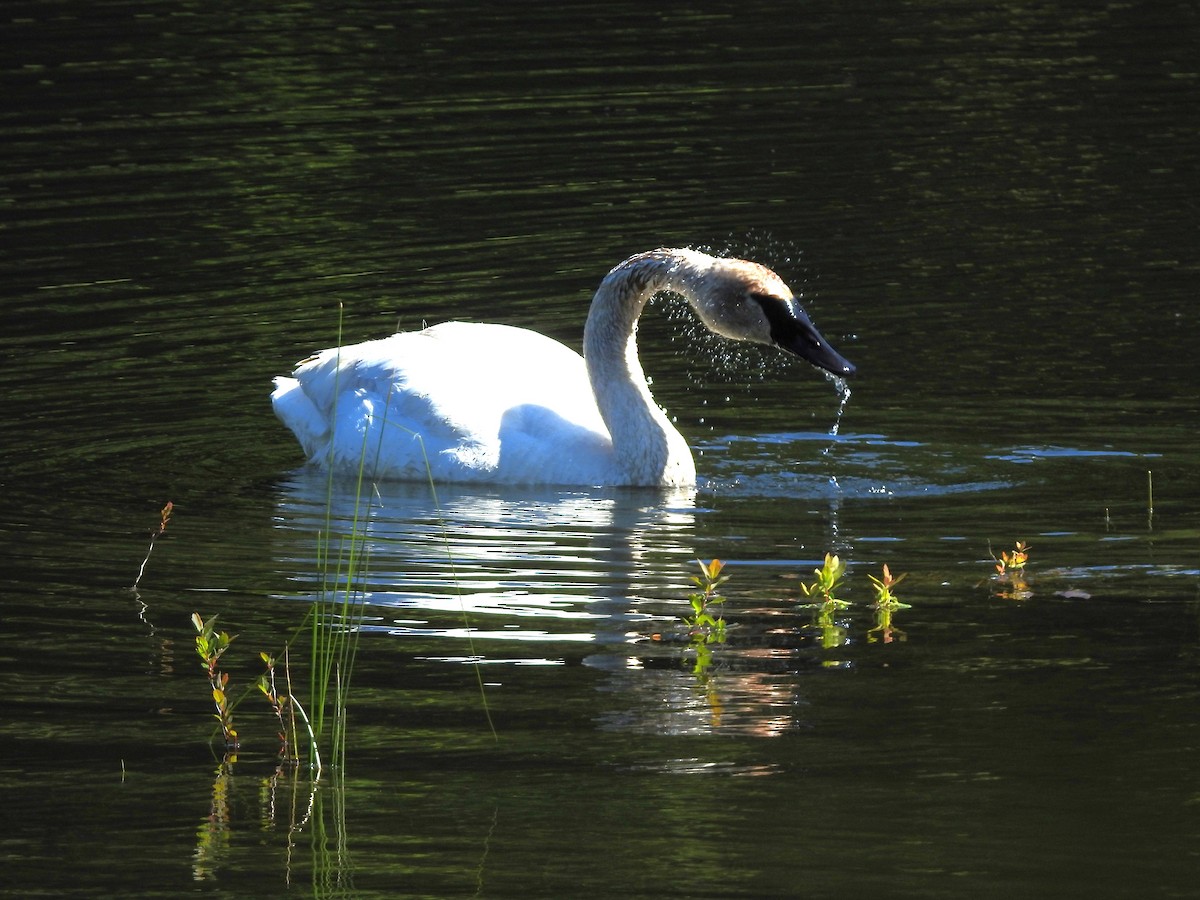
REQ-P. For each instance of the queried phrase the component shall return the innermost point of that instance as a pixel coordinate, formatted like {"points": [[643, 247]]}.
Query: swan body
{"points": [[471, 402]]}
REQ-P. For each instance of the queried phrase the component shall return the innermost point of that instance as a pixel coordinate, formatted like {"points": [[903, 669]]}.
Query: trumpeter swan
{"points": [[493, 404]]}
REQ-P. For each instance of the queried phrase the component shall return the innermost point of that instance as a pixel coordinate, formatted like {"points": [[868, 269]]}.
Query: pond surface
{"points": [[990, 210]]}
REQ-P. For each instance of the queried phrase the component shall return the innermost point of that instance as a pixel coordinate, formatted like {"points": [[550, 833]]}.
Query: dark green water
{"points": [[990, 210]]}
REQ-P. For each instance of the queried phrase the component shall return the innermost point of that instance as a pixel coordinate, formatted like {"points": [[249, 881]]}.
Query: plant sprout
{"points": [[210, 646], [885, 605], [279, 703], [884, 598], [1010, 570], [703, 623], [829, 577], [704, 627], [1015, 561]]}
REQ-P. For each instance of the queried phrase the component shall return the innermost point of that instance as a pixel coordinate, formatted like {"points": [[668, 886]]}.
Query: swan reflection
{"points": [[519, 578], [512, 563], [513, 578]]}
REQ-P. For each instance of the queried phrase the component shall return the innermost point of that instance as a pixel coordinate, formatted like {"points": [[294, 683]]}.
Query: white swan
{"points": [[469, 402]]}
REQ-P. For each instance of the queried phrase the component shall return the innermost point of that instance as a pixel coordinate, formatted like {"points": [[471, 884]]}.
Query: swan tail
{"points": [[297, 412]]}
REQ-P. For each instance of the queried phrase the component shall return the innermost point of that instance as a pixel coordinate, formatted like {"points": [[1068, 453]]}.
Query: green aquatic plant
{"points": [[703, 622], [333, 632], [332, 623], [1012, 562], [280, 704], [827, 604], [210, 647], [704, 626], [1010, 572], [884, 605], [884, 598], [829, 579]]}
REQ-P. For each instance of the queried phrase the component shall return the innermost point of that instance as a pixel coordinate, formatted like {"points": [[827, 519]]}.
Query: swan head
{"points": [[746, 301]]}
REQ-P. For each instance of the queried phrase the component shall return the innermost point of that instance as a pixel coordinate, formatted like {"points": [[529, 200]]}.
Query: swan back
{"points": [[461, 401]]}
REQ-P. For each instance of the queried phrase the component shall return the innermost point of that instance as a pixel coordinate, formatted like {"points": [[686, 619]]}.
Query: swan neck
{"points": [[645, 443], [611, 330]]}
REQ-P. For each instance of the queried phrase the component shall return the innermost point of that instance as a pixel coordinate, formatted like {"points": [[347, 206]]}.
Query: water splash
{"points": [[842, 386], [722, 360]]}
